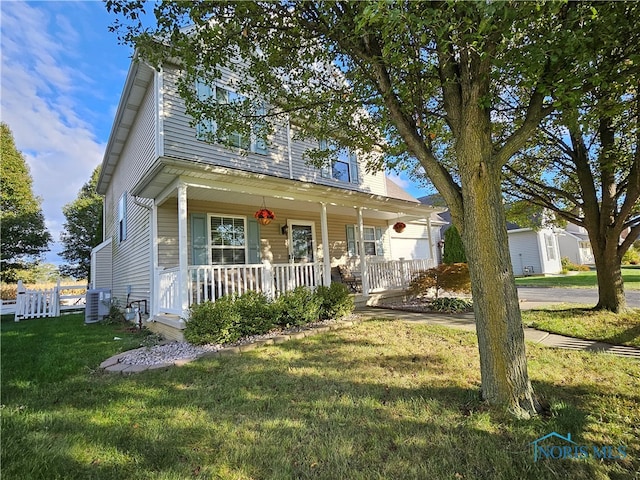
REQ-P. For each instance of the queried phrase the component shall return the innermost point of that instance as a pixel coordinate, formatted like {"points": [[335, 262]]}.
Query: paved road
{"points": [[587, 296]]}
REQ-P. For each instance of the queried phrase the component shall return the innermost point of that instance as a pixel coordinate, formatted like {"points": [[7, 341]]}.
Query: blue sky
{"points": [[61, 78]]}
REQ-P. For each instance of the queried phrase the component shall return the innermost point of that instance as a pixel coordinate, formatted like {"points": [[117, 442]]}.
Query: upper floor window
{"points": [[344, 167], [122, 217], [254, 143]]}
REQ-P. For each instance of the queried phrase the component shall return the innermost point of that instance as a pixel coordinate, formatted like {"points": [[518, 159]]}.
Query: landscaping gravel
{"points": [[168, 353]]}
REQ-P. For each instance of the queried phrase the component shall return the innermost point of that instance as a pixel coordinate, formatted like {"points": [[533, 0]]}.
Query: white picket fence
{"points": [[46, 302]]}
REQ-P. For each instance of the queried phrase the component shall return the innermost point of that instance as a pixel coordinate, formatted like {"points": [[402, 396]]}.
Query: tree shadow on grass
{"points": [[330, 406]]}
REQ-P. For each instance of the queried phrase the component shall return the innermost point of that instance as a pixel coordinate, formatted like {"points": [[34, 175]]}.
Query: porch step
{"points": [[379, 298], [171, 327]]}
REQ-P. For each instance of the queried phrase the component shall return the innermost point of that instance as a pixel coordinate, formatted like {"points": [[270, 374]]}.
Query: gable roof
{"points": [[139, 77], [396, 191]]}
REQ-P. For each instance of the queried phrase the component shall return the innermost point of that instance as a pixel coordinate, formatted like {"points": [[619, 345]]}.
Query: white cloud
{"points": [[41, 107]]}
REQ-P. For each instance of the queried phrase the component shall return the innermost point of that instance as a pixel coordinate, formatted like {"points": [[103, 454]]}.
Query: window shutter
{"points": [[353, 167], [204, 93], [351, 240], [326, 169], [253, 240], [379, 242], [260, 141], [122, 218], [199, 254]]}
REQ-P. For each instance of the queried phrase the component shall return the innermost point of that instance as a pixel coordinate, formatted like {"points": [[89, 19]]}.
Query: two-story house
{"points": [[180, 220]]}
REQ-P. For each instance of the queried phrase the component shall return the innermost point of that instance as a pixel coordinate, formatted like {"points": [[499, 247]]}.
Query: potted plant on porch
{"points": [[264, 216], [399, 227]]}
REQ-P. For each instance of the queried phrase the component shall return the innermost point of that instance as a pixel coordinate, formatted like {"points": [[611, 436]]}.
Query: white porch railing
{"points": [[395, 273], [210, 282], [169, 291]]}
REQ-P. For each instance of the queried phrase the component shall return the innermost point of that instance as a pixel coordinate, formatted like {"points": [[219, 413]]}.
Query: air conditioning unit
{"points": [[98, 304]]}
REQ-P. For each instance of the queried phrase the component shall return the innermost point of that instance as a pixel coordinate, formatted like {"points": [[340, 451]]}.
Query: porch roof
{"points": [[206, 181]]}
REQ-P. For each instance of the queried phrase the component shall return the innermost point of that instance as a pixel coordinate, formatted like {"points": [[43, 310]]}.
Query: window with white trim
{"points": [[122, 218], [344, 167], [550, 247], [227, 240], [373, 244], [255, 143]]}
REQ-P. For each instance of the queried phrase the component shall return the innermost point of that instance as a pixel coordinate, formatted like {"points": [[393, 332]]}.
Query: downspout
{"points": [[289, 153]]}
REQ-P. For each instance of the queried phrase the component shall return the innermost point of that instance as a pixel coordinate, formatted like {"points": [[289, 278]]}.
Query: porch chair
{"points": [[351, 278]]}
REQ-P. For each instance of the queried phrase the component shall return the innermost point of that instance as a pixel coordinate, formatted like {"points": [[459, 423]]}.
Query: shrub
{"points": [[298, 307], [450, 305], [335, 301], [453, 247], [631, 257], [213, 322], [257, 313], [451, 278]]}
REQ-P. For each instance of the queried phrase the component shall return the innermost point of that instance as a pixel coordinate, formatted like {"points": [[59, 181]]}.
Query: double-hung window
{"points": [[228, 242], [206, 128], [373, 244], [344, 167]]}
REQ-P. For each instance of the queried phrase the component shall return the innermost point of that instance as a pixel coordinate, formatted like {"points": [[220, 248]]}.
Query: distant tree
{"points": [[453, 247], [584, 166], [82, 230], [24, 237]]}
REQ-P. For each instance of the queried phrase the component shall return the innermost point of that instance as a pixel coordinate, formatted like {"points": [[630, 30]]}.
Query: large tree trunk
{"points": [[503, 362], [610, 284]]}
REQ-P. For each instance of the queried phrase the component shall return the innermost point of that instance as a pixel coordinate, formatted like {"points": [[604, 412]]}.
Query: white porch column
{"points": [[326, 256], [183, 257], [431, 245], [363, 257], [155, 280]]}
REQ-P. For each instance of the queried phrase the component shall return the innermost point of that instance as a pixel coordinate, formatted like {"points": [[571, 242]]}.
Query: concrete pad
{"points": [[109, 361], [117, 368], [249, 346], [297, 335], [159, 366], [229, 350], [183, 361], [135, 369], [281, 338]]}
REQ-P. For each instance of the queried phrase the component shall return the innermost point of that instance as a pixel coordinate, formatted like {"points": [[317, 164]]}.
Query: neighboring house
{"points": [[534, 252], [179, 224], [575, 245]]}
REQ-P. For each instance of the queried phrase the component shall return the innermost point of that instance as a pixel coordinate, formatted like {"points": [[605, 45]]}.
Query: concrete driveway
{"points": [[533, 297]]}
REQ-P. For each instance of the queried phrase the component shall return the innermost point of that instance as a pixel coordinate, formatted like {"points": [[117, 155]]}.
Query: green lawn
{"points": [[620, 329], [380, 400], [631, 276]]}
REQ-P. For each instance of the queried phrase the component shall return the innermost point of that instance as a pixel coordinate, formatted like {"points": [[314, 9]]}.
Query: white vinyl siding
{"points": [[132, 258], [180, 141]]}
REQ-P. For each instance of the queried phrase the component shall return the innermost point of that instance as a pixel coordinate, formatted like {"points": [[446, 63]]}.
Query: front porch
{"points": [[207, 242], [210, 282]]}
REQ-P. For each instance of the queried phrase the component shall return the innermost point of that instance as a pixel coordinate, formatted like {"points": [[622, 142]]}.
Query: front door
{"points": [[301, 241]]}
